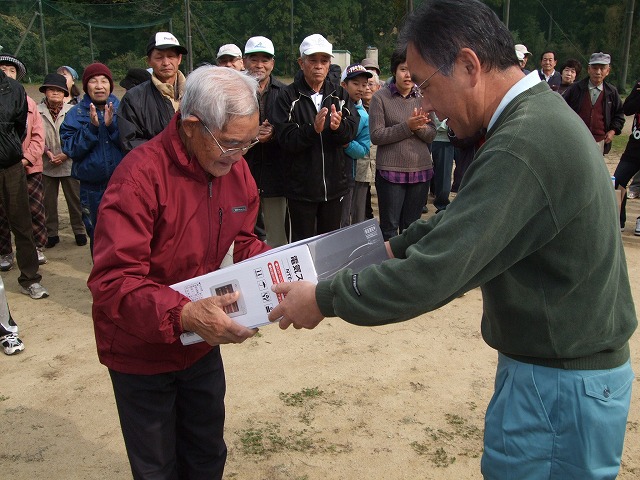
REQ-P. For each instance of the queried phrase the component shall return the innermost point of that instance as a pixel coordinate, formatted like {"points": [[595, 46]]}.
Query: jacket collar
{"points": [[327, 87], [177, 151]]}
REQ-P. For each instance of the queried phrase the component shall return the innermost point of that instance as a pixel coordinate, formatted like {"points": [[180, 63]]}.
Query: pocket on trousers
{"points": [[610, 385]]}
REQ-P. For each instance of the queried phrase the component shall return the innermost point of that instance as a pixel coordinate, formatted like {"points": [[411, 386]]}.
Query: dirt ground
{"points": [[404, 401]]}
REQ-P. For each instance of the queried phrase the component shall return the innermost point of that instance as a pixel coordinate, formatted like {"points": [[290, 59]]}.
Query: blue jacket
{"points": [[359, 146], [95, 150]]}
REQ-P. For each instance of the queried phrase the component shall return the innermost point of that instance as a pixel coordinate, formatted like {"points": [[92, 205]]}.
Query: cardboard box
{"points": [[313, 259]]}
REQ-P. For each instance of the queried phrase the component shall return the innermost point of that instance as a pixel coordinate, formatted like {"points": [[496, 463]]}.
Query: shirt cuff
{"points": [[324, 298]]}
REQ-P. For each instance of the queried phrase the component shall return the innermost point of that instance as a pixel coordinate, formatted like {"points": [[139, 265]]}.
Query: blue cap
{"points": [[73, 73]]}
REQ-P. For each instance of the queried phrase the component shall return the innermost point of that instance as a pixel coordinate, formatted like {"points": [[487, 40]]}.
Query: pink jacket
{"points": [[33, 144]]}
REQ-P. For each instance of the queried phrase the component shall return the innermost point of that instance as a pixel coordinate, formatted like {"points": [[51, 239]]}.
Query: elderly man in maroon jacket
{"points": [[598, 102], [171, 210]]}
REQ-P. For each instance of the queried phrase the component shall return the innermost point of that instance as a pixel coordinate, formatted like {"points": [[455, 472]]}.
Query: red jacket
{"points": [[162, 219]]}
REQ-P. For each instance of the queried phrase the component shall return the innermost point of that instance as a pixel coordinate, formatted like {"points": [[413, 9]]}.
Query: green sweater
{"points": [[535, 225]]}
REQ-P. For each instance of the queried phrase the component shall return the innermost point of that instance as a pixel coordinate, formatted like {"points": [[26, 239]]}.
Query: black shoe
{"points": [[81, 239], [52, 241]]}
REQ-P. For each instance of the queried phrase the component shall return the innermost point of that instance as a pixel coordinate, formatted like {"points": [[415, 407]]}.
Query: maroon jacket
{"points": [[163, 219]]}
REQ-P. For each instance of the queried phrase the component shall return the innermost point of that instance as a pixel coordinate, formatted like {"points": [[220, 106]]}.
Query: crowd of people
{"points": [[184, 170]]}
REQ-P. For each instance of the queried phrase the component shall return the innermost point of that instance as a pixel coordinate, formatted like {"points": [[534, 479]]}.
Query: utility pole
{"points": [[622, 82], [44, 41], [505, 12], [93, 57], [187, 27]]}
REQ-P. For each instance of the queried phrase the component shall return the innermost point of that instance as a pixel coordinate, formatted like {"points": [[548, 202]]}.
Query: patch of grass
{"points": [[3, 398], [420, 448], [266, 438], [440, 458], [618, 144], [459, 435], [298, 399]]}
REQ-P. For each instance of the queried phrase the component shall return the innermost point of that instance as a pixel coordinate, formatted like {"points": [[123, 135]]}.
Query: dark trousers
{"points": [[173, 423], [313, 218], [399, 204], [628, 166], [463, 158], [90, 198], [35, 192], [442, 154], [15, 201]]}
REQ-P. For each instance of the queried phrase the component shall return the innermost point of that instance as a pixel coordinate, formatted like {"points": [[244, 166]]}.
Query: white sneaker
{"points": [[11, 344], [6, 262], [41, 258], [35, 291], [637, 230]]}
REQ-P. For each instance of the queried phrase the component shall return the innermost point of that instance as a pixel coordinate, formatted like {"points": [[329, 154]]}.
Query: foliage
{"points": [[80, 31]]}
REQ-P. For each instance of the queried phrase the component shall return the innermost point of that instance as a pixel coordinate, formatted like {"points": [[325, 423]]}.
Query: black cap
{"points": [[135, 76]]}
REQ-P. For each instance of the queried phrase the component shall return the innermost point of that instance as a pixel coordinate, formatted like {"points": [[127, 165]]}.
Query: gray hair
{"points": [[375, 77], [218, 94], [439, 29]]}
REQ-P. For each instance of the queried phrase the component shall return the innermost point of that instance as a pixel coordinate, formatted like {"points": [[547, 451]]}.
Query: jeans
{"points": [[399, 204]]}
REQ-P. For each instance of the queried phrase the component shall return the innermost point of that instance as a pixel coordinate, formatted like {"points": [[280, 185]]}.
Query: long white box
{"points": [[313, 259]]}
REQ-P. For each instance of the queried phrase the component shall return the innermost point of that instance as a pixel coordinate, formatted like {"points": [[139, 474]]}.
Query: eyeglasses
{"points": [[422, 87], [228, 152]]}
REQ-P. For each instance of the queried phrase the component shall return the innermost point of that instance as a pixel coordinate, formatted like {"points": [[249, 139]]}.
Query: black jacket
{"points": [[266, 160], [554, 81], [613, 112], [631, 106], [143, 113], [315, 161], [13, 120]]}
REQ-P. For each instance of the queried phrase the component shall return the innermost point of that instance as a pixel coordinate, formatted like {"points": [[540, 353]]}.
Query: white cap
{"points": [[259, 45], [315, 43], [520, 55], [521, 48], [229, 49]]}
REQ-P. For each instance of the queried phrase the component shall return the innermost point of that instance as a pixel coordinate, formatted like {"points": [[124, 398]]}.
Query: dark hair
{"points": [[572, 63], [555, 57], [439, 29], [397, 57]]}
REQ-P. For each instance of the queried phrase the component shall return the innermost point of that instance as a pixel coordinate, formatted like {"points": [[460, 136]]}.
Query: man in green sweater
{"points": [[557, 304]]}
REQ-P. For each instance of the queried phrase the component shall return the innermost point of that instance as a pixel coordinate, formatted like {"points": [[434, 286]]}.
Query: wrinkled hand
{"points": [[418, 119], [108, 114], [336, 118], [318, 123], [299, 308], [206, 318], [58, 159], [265, 132], [93, 115], [608, 138]]}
